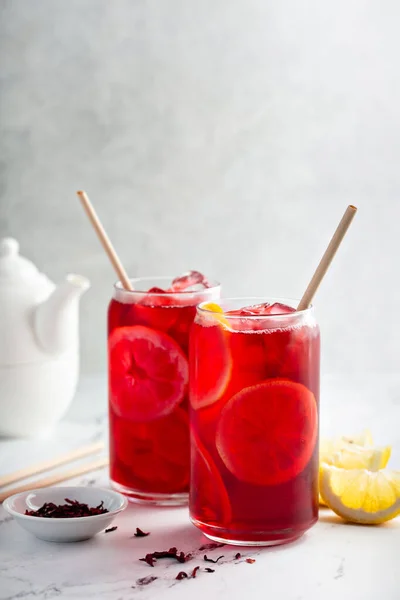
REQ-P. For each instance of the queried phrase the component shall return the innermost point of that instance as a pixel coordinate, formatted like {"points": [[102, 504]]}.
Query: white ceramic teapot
{"points": [[39, 344]]}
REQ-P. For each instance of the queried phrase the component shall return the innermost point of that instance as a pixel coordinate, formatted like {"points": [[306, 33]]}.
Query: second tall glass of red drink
{"points": [[148, 339], [254, 393]]}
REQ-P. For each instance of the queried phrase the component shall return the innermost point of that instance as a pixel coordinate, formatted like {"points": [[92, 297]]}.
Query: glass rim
{"points": [[257, 300], [120, 288]]}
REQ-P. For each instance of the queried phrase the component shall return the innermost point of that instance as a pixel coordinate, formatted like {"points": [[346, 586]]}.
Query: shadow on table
{"points": [[327, 516]]}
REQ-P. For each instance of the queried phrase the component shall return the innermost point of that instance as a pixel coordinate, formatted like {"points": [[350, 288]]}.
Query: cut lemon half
{"points": [[359, 495]]}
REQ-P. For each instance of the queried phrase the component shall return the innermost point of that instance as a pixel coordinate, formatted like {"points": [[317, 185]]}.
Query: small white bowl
{"points": [[74, 529]]}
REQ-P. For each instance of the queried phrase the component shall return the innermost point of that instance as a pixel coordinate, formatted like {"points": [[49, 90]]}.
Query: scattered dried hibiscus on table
{"points": [[110, 529], [140, 533], [211, 546], [152, 557], [146, 580], [181, 557], [183, 575], [211, 560]]}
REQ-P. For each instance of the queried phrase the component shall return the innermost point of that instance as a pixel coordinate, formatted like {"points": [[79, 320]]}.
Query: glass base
{"points": [[150, 498], [266, 538]]}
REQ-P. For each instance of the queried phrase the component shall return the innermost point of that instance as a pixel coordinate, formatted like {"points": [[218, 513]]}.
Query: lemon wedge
{"points": [[213, 307], [362, 439], [329, 447], [358, 457], [359, 495], [218, 312]]}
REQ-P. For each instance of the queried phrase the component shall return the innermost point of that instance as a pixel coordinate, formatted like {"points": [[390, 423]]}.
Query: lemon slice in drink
{"points": [[218, 312], [359, 495], [213, 307]]}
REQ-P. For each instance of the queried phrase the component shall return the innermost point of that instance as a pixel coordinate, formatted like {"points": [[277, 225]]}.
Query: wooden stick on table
{"points": [[47, 465], [56, 478]]}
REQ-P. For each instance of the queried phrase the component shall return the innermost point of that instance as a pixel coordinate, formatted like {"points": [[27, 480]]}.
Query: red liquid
{"points": [[148, 395], [254, 421]]}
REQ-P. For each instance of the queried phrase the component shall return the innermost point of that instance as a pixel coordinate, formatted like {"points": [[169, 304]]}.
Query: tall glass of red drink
{"points": [[148, 338], [254, 395]]}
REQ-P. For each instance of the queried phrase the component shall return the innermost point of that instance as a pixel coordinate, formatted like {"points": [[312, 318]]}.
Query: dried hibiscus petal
{"points": [[148, 559], [211, 560], [146, 580], [181, 575], [140, 533], [211, 546], [110, 529], [171, 553]]}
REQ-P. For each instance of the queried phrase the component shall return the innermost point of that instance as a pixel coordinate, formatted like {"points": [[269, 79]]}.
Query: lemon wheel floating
{"points": [[210, 500], [359, 495], [155, 454], [211, 370], [267, 432], [148, 375]]}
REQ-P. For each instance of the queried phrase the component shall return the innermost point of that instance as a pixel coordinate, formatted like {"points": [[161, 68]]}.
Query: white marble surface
{"points": [[332, 561]]}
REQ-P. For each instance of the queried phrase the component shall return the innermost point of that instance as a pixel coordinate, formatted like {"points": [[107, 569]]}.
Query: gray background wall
{"points": [[222, 136]]}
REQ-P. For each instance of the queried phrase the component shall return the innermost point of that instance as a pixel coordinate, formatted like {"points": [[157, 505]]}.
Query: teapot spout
{"points": [[56, 319]]}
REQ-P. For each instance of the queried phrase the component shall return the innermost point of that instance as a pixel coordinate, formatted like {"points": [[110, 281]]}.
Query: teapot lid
{"points": [[13, 267]]}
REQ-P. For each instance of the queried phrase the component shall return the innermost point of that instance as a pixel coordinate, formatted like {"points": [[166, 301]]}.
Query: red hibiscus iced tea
{"points": [[254, 393], [148, 338]]}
